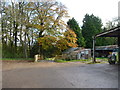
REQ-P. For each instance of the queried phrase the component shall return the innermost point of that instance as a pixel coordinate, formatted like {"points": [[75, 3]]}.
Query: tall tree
{"points": [[92, 25], [72, 23], [47, 18]]}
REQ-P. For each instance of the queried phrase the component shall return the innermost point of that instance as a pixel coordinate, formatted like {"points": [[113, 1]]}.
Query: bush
{"points": [[12, 52]]}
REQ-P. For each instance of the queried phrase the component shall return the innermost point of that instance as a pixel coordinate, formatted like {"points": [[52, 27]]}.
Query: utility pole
{"points": [[94, 59], [119, 50], [119, 36]]}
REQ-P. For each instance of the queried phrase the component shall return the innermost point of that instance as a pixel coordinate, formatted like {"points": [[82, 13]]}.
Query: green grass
{"points": [[81, 60], [102, 59], [60, 61], [17, 59], [50, 58], [99, 60]]}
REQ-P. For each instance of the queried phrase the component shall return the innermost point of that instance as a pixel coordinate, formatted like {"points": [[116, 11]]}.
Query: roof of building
{"points": [[70, 50], [114, 32], [75, 50], [109, 47]]}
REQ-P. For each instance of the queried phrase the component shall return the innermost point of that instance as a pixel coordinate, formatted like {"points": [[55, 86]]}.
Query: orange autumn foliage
{"points": [[70, 37], [61, 43], [46, 41]]}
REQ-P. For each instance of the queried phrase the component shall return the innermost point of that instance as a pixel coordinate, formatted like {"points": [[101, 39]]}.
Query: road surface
{"points": [[59, 75]]}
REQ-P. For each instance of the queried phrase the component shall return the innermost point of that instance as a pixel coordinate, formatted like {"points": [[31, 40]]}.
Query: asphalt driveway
{"points": [[59, 75]]}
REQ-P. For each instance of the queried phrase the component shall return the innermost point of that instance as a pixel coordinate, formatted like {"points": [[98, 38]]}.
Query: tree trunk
{"points": [[28, 41], [25, 45], [15, 34]]}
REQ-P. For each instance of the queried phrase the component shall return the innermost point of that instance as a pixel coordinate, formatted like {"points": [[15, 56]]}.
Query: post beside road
{"points": [[94, 59]]}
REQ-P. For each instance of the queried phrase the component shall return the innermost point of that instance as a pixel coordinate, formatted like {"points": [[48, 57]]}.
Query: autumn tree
{"points": [[71, 39], [58, 44], [47, 18]]}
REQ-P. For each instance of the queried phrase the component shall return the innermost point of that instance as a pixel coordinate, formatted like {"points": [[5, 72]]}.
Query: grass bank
{"points": [[87, 61]]}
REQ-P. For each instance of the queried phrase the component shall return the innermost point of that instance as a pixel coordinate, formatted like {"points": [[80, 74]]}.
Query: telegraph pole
{"points": [[94, 59]]}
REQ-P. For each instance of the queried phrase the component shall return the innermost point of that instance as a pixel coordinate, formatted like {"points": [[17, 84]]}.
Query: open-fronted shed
{"points": [[114, 32], [104, 51]]}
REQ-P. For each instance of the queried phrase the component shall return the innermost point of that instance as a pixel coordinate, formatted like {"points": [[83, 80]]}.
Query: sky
{"points": [[107, 10]]}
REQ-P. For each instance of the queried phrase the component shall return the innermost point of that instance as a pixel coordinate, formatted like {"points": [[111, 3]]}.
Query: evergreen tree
{"points": [[72, 23], [92, 25]]}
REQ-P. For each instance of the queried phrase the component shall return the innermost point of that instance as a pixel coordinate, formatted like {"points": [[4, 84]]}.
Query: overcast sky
{"points": [[104, 9]]}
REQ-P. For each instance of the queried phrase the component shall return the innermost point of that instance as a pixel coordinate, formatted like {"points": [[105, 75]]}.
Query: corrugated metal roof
{"points": [[70, 50], [110, 47], [114, 32], [75, 50]]}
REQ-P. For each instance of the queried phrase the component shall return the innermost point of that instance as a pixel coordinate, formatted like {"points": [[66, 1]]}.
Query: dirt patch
{"points": [[17, 61], [7, 65], [14, 64]]}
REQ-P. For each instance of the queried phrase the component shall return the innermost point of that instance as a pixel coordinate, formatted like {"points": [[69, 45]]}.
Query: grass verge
{"points": [[99, 60], [81, 60]]}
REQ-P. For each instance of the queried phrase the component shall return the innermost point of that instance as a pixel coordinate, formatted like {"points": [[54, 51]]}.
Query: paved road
{"points": [[52, 75]]}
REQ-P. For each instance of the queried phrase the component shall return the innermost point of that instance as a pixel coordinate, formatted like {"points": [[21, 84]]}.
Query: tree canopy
{"points": [[29, 28], [72, 23], [92, 25], [28, 24]]}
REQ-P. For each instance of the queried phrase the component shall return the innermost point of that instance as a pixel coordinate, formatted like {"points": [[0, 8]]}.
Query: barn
{"points": [[114, 32]]}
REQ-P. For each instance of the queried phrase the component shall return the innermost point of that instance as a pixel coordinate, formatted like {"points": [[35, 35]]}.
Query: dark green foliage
{"points": [[72, 23], [10, 52], [92, 25], [51, 52], [109, 40], [34, 50]]}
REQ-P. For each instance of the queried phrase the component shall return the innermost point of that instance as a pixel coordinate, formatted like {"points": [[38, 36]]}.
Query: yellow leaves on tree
{"points": [[47, 16], [71, 39], [47, 42], [61, 43]]}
